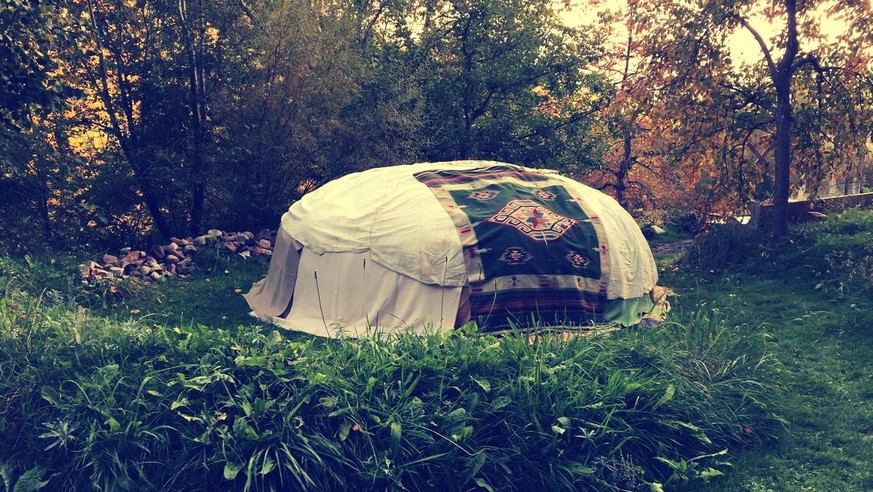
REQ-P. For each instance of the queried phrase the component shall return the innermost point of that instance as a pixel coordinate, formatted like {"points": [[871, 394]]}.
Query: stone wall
{"points": [[810, 209]]}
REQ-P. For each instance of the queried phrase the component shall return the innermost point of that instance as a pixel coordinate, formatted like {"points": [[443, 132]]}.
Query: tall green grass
{"points": [[88, 401]]}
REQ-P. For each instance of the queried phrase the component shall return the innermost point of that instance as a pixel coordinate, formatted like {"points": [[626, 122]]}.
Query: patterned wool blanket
{"points": [[534, 251]]}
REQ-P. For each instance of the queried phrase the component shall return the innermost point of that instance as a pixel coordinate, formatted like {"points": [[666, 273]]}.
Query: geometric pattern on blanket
{"points": [[533, 250]]}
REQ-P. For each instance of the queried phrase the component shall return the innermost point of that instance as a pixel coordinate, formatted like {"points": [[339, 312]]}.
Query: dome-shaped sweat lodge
{"points": [[434, 245]]}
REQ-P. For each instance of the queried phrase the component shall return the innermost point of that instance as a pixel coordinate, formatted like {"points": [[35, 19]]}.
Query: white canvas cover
{"points": [[376, 248]]}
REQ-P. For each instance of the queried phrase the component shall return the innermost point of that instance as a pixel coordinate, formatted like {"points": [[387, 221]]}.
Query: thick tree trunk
{"points": [[466, 138], [198, 197], [781, 75], [782, 176]]}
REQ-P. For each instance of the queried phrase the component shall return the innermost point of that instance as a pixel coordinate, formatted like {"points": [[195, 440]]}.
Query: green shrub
{"points": [[723, 246]]}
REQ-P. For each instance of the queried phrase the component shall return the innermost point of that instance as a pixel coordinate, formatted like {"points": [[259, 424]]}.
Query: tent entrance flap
{"points": [[271, 296]]}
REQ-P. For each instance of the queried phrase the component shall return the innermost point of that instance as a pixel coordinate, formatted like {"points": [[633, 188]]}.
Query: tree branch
{"points": [[814, 62], [750, 98], [770, 65]]}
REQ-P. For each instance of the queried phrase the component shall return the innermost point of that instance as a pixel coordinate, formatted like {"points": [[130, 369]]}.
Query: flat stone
{"points": [[110, 260], [133, 256]]}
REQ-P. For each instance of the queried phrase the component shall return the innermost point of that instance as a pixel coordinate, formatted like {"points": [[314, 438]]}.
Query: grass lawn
{"points": [[175, 386], [823, 346], [813, 299]]}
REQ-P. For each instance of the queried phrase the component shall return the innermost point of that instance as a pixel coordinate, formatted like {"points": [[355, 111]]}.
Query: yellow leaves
{"points": [[540, 91], [212, 35]]}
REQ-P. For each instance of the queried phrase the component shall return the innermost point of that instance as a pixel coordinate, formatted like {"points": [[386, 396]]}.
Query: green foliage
{"points": [[837, 253], [688, 222], [25, 64], [95, 399], [187, 114], [89, 401], [36, 181], [503, 80], [649, 231], [300, 109]]}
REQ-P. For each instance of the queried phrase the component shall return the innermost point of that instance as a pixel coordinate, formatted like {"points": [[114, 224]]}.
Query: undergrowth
{"points": [[87, 401], [838, 251]]}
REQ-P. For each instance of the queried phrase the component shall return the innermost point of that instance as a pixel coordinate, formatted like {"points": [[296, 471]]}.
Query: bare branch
{"points": [[764, 49]]}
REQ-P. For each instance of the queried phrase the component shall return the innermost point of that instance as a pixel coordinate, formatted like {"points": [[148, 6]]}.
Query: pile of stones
{"points": [[177, 257]]}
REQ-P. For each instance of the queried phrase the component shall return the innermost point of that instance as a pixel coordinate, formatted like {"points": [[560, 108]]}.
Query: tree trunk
{"points": [[623, 170], [781, 76], [151, 201], [782, 176], [198, 112], [149, 196], [466, 138], [627, 158], [127, 139]]}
